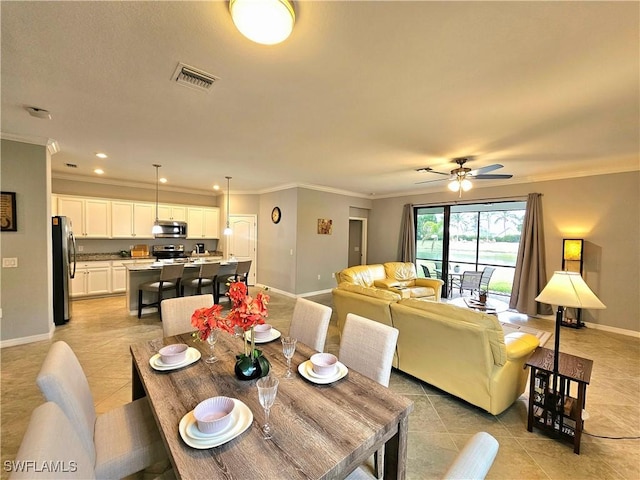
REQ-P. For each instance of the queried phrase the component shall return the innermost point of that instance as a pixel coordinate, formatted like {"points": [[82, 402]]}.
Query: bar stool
{"points": [[206, 278], [225, 275], [170, 277], [242, 272]]}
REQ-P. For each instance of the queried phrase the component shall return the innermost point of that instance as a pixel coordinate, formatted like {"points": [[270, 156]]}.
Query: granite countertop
{"points": [[97, 257]]}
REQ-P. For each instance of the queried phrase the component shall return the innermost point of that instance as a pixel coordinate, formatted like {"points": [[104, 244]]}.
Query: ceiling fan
{"points": [[460, 178]]}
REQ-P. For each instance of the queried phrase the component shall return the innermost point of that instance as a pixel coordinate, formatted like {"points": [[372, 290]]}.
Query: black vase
{"points": [[250, 367]]}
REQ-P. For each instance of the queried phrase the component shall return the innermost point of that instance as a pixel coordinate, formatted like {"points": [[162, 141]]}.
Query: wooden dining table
{"points": [[319, 431]]}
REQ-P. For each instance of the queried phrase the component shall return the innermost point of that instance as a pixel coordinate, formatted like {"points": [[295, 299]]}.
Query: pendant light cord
{"points": [[157, 167]]}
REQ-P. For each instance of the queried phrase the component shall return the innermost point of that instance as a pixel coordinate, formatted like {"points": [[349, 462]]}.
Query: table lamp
{"points": [[566, 289]]}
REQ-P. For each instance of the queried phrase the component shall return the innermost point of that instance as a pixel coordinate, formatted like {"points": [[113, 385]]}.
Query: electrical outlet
{"points": [[333, 275], [9, 263], [318, 277], [291, 252], [80, 248]]}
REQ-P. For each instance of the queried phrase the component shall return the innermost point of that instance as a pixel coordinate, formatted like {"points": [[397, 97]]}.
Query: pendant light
{"points": [[227, 231], [157, 229]]}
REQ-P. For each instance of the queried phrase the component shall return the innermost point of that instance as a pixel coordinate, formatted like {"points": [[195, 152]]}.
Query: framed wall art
{"points": [[324, 226], [8, 212]]}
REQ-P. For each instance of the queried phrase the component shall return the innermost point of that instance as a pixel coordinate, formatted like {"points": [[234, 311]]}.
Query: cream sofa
{"points": [[458, 350], [398, 277]]}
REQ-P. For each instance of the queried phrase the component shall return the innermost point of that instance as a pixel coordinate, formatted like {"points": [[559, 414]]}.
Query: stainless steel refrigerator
{"points": [[64, 268]]}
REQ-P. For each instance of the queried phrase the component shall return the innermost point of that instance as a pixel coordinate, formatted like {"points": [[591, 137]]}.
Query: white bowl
{"points": [[213, 414], [172, 354], [324, 364], [262, 332]]}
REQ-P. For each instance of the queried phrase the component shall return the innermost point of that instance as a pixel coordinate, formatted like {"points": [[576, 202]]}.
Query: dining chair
{"points": [[176, 313], [170, 277], [226, 274], [51, 437], [475, 459], [121, 441], [367, 347], [310, 322], [206, 278]]}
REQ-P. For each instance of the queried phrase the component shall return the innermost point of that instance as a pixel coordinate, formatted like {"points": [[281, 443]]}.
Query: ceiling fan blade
{"points": [[431, 170], [431, 181], [491, 177], [487, 169]]}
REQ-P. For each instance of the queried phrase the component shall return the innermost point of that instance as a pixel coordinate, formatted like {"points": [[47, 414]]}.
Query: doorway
{"points": [[357, 241], [242, 242]]}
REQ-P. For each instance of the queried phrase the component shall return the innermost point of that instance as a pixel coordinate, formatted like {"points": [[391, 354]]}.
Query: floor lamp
{"points": [[566, 289]]}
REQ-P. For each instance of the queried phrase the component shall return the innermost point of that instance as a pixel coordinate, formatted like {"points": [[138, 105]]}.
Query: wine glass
{"points": [[211, 340], [288, 348], [267, 390]]}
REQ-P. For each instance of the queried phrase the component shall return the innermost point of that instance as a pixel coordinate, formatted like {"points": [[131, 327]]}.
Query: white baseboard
{"points": [[12, 342], [597, 326]]}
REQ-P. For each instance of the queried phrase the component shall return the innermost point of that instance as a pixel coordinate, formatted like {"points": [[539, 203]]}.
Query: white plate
{"points": [[193, 355], [241, 419], [306, 370], [274, 334]]}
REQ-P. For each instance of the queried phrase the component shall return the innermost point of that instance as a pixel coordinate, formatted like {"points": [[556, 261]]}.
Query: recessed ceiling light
{"points": [[101, 155], [99, 171], [163, 180], [216, 187]]}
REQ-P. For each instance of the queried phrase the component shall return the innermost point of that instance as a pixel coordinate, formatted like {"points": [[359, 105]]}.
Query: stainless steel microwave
{"points": [[171, 229]]}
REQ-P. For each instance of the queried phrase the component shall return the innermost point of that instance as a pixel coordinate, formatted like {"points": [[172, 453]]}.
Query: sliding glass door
{"points": [[453, 239]]}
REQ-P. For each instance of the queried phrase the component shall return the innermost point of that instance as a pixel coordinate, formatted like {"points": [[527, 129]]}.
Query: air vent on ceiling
{"points": [[71, 165], [193, 78]]}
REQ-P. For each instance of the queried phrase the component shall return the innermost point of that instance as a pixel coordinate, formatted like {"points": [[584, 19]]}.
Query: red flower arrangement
{"points": [[246, 312]]}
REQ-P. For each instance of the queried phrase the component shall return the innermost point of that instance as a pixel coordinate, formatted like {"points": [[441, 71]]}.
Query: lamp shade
{"points": [[263, 21], [568, 289]]}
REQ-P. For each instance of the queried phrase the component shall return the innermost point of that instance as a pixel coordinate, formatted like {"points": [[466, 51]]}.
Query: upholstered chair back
{"points": [[310, 322]]}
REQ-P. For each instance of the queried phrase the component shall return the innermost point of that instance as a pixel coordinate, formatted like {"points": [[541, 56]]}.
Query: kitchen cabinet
{"points": [[132, 220], [203, 222], [90, 217], [54, 205], [176, 213], [91, 278]]}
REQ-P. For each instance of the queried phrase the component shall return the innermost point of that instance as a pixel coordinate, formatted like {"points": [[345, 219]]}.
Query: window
{"points": [[469, 238]]}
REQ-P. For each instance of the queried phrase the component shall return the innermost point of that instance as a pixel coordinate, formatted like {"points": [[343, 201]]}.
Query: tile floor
{"points": [[101, 331]]}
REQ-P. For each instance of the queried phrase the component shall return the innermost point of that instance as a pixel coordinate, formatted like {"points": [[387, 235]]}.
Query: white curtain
{"points": [[530, 276], [407, 250]]}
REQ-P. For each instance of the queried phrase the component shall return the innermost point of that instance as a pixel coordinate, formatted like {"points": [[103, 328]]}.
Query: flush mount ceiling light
{"points": [[101, 155], [39, 113], [263, 21]]}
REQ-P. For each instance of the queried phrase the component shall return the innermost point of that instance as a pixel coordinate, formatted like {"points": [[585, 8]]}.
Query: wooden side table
{"points": [[558, 413]]}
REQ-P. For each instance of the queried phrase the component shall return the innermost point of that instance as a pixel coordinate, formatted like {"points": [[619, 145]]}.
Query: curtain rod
{"points": [[472, 202]]}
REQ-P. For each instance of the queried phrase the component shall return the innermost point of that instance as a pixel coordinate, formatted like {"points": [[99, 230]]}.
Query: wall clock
{"points": [[276, 215]]}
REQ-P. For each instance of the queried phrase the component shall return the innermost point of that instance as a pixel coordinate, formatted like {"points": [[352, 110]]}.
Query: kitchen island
{"points": [[141, 273]]}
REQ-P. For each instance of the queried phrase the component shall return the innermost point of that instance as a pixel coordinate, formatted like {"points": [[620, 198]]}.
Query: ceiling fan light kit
{"points": [[267, 22]]}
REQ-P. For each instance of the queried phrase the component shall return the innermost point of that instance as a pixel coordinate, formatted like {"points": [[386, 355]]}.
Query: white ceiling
{"points": [[359, 96]]}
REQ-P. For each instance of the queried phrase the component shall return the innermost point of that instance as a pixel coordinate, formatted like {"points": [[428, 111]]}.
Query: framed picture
{"points": [[324, 226], [8, 212]]}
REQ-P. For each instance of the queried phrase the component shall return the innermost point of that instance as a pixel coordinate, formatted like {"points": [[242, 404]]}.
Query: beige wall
{"points": [[603, 209], [26, 292]]}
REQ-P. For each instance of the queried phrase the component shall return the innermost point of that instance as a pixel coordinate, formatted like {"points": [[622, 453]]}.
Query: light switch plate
{"points": [[9, 263]]}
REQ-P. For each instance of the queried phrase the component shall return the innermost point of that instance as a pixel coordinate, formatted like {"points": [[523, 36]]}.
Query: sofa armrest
{"points": [[434, 283], [519, 345], [386, 283]]}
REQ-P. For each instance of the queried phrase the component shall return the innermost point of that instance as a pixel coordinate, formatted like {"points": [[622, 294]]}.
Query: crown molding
{"points": [[308, 186], [52, 146]]}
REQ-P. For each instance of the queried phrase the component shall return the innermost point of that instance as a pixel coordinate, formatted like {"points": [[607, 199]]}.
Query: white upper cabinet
{"points": [[132, 220], [90, 217], [203, 222], [177, 213]]}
